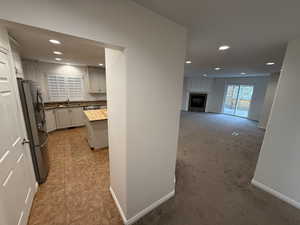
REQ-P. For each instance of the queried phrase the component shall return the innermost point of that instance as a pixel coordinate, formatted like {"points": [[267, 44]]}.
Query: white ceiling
{"points": [[256, 30], [34, 44]]}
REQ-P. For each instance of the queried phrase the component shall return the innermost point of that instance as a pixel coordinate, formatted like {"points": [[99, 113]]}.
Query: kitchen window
{"points": [[64, 87]]}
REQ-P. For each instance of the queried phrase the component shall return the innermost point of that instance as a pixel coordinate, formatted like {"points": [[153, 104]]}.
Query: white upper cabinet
{"points": [[96, 80]]}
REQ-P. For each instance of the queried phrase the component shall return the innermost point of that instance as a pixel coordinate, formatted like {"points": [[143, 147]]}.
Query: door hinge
{"points": [[25, 141]]}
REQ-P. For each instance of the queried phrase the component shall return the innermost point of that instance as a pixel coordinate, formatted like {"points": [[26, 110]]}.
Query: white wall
{"points": [[117, 105], [153, 113], [155, 53], [278, 165], [216, 100], [216, 87], [259, 83], [38, 71], [198, 85], [269, 98], [184, 100]]}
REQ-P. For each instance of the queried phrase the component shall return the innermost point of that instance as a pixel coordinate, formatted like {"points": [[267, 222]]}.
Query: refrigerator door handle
{"points": [[40, 105]]}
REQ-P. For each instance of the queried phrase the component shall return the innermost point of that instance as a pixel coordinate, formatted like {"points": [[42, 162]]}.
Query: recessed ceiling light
{"points": [[54, 41], [188, 62], [270, 63], [205, 75], [58, 59], [224, 47], [57, 53], [100, 64], [217, 68], [243, 73]]}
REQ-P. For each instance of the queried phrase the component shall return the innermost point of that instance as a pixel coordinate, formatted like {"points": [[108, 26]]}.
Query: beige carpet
{"points": [[214, 170]]}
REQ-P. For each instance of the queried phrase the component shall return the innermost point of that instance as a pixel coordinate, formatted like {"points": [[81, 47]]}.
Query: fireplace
{"points": [[197, 102]]}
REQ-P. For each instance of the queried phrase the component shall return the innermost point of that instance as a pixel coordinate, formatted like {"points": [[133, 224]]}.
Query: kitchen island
{"points": [[67, 114], [97, 130]]}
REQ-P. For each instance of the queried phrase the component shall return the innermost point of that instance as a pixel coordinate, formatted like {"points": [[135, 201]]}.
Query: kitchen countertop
{"points": [[56, 105], [96, 114]]}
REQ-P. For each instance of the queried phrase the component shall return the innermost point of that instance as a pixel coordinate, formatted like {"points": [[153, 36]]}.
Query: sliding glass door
{"points": [[238, 99], [231, 99]]}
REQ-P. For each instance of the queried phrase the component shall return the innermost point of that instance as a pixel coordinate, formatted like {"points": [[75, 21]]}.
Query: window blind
{"points": [[61, 87]]}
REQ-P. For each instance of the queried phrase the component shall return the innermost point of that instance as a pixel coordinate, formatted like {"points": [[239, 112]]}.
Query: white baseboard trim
{"points": [[118, 205], [144, 211], [36, 186], [276, 193], [260, 127], [150, 208]]}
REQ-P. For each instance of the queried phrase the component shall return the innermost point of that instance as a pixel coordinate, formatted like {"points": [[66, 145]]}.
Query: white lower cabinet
{"points": [[69, 117], [77, 117], [50, 120], [97, 134], [63, 118]]}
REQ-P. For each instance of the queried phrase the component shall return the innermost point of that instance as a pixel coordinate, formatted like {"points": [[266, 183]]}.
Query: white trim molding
{"points": [[118, 205], [36, 187], [142, 212], [150, 208], [260, 127], [276, 193]]}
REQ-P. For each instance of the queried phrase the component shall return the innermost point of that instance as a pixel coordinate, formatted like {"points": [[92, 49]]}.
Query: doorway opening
{"points": [[238, 100], [65, 111]]}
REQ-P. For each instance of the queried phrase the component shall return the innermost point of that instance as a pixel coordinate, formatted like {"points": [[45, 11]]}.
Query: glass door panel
{"points": [[231, 99], [238, 99], [244, 100]]}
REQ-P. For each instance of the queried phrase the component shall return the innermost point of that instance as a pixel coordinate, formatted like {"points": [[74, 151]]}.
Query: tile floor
{"points": [[77, 189]]}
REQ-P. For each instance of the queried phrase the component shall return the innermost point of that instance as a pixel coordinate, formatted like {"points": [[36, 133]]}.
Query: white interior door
{"points": [[16, 178]]}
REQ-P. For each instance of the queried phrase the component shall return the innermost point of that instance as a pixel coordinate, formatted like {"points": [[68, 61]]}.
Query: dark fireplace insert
{"points": [[197, 102]]}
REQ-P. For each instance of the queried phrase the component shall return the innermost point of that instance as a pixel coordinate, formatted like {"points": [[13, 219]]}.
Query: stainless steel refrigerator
{"points": [[34, 115]]}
